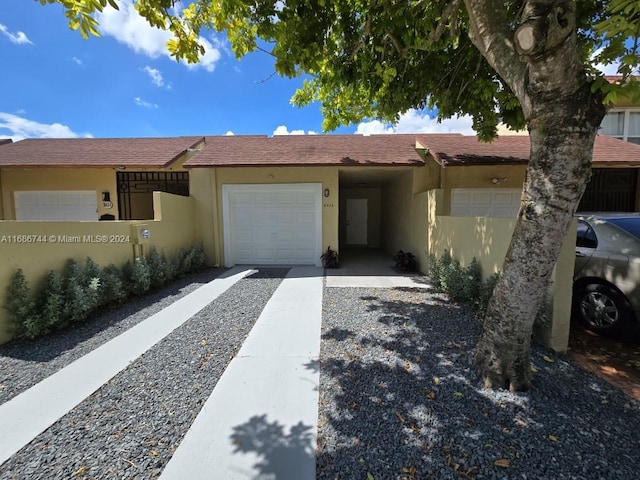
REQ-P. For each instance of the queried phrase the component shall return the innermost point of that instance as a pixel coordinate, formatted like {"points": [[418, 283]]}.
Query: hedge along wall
{"points": [[37, 247], [488, 239]]}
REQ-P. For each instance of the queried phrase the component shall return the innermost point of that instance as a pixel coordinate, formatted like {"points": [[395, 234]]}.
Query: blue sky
{"points": [[124, 84]]}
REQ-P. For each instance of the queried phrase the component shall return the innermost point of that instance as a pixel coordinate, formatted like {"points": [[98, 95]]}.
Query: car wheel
{"points": [[601, 308]]}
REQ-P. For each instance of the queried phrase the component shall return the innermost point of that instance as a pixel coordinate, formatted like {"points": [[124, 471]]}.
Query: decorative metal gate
{"points": [[610, 190], [135, 190]]}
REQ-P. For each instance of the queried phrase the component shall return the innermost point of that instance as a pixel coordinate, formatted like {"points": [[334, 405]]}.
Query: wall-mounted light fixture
{"points": [[326, 193], [497, 180], [106, 196]]}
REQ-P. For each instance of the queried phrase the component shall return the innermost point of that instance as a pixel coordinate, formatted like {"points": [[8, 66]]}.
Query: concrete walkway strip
{"points": [[261, 419], [27, 415]]}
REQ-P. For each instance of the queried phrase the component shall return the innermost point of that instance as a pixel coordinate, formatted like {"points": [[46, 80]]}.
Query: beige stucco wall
{"points": [[487, 239], [96, 179], [397, 214], [206, 189], [511, 176], [38, 247], [373, 197]]}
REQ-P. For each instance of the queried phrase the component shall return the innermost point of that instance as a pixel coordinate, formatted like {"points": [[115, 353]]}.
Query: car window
{"points": [[629, 224], [585, 236]]}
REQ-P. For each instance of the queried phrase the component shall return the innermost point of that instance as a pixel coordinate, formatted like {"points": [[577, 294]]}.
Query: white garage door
{"points": [[55, 206], [278, 224], [485, 202]]}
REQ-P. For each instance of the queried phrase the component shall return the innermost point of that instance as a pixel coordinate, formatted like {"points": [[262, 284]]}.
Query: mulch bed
{"points": [[615, 360]]}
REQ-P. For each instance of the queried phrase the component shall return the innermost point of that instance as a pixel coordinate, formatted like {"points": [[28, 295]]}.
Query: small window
{"points": [[585, 236], [613, 124], [633, 132]]}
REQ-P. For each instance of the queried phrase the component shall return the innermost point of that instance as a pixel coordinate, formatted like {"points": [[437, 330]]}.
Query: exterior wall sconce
{"points": [[326, 193], [106, 196], [497, 180]]}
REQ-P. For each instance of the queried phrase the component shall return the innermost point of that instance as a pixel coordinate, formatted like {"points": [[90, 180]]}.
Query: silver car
{"points": [[606, 281]]}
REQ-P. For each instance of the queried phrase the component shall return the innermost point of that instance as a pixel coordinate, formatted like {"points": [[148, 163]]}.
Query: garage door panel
{"points": [[56, 206], [486, 202], [263, 199], [272, 224], [284, 218]]}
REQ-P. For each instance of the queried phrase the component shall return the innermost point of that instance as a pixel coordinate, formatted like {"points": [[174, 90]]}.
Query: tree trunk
{"points": [[541, 63], [562, 134]]}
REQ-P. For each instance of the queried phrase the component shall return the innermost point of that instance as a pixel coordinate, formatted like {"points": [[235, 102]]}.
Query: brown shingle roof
{"points": [[307, 150], [5, 141], [95, 152], [514, 149]]}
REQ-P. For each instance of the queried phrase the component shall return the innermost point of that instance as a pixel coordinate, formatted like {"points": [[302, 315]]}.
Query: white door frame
{"points": [[229, 189]]}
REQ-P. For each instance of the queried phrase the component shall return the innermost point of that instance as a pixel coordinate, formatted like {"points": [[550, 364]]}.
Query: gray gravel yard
{"points": [[398, 400], [398, 397], [131, 426], [23, 363]]}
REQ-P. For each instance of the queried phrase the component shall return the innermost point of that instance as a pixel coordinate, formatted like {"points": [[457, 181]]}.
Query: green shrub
{"points": [[51, 306], [486, 291], [472, 281], [173, 268], [91, 283], [112, 288], [81, 294], [192, 260], [140, 276], [463, 285], [432, 271], [157, 268], [18, 302], [443, 270]]}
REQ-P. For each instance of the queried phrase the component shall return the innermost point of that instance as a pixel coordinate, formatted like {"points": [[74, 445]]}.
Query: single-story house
{"points": [[284, 199]]}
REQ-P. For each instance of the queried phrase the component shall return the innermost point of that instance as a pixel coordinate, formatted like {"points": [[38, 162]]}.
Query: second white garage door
{"points": [[56, 206], [276, 224]]}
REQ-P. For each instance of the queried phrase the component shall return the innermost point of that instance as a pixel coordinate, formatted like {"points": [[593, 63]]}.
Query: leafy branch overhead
{"points": [[380, 58]]}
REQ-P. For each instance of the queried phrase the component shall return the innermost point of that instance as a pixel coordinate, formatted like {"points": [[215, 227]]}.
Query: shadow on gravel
{"points": [[51, 346], [400, 400], [283, 455]]}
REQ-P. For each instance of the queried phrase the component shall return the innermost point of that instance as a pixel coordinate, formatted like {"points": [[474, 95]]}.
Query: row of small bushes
{"points": [[69, 298], [465, 285], [461, 284]]}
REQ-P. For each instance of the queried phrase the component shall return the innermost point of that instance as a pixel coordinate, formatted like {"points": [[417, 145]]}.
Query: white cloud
{"points": [[19, 38], [131, 29], [610, 69], [283, 130], [143, 103], [156, 76], [415, 122], [77, 60], [229, 133], [20, 127]]}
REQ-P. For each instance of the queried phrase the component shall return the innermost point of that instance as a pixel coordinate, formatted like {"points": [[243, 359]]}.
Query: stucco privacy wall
{"points": [[206, 189], [172, 229], [96, 179], [487, 239]]}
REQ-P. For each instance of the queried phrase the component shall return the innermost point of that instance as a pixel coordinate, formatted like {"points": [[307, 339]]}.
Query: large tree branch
{"points": [[490, 33]]}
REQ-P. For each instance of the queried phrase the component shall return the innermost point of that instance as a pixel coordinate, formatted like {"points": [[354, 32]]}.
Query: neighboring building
{"points": [[614, 186], [91, 179]]}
